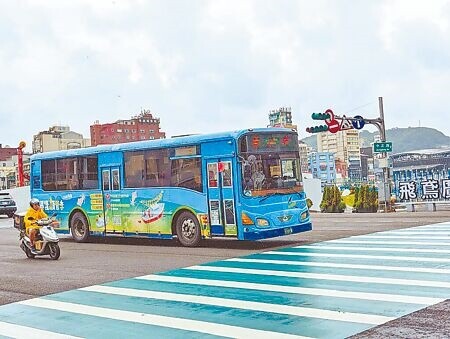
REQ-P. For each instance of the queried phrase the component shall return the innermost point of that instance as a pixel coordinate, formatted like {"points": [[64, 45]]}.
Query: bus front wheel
{"points": [[188, 229], [79, 227]]}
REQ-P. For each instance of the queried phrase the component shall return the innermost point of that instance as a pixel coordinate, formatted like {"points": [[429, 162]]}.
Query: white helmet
{"points": [[34, 201]]}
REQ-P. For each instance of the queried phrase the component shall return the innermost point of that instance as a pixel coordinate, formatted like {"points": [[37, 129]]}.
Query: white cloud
{"points": [[216, 65]]}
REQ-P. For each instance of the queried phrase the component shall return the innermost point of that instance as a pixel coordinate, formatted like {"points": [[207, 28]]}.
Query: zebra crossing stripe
{"points": [[320, 276], [406, 299], [377, 249], [350, 266], [419, 236], [368, 242], [359, 256], [246, 305], [417, 232], [157, 320], [19, 331]]}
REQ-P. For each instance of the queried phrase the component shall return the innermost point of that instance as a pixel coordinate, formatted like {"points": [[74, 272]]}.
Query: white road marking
{"points": [[318, 276], [410, 237], [245, 305], [368, 242], [360, 256], [350, 266], [157, 320], [417, 232], [376, 249], [25, 332], [407, 299]]}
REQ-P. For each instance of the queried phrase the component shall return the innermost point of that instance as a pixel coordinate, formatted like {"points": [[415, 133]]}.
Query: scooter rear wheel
{"points": [[54, 250]]}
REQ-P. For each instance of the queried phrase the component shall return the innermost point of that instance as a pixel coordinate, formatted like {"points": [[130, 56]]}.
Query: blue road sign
{"points": [[359, 122], [332, 289]]}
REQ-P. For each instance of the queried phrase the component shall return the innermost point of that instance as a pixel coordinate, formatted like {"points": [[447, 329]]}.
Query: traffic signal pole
{"points": [[379, 123], [333, 126]]}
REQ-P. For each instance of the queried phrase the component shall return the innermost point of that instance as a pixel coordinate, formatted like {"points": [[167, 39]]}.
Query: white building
{"points": [[58, 138]]}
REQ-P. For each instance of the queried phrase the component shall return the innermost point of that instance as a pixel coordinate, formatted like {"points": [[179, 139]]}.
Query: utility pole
{"points": [[386, 183]]}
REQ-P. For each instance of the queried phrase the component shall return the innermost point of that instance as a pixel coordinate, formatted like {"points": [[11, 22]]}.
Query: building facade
{"points": [[140, 127], [9, 171], [281, 117], [419, 166], [322, 166], [7, 152], [58, 138], [345, 145], [304, 150], [367, 165]]}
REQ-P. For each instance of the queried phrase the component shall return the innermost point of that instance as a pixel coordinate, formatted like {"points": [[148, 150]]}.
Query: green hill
{"points": [[403, 139]]}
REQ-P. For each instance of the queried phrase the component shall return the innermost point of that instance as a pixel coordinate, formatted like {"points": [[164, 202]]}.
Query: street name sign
{"points": [[381, 147]]}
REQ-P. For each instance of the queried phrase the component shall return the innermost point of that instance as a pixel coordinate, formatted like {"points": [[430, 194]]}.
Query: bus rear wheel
{"points": [[79, 227], [188, 229]]}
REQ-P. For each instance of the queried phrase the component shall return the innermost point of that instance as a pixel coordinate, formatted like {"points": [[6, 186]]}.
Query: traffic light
{"points": [[317, 129], [320, 116]]}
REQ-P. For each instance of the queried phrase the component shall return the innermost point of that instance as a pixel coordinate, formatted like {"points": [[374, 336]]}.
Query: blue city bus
{"points": [[243, 184]]}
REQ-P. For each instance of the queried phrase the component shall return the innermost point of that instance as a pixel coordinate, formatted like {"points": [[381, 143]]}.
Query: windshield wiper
{"points": [[294, 191], [291, 190], [270, 195]]}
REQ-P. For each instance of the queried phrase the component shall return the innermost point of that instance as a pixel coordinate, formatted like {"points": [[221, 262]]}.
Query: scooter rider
{"points": [[33, 214]]}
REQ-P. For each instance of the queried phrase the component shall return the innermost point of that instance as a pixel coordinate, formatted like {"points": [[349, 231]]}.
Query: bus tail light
{"points": [[246, 220]]}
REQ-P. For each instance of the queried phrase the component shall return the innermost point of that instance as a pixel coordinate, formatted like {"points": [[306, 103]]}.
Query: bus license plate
{"points": [[288, 230]]}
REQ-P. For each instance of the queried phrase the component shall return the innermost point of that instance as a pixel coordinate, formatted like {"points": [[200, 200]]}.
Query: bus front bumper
{"points": [[277, 232]]}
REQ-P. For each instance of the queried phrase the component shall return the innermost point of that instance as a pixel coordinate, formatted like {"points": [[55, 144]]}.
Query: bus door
{"points": [[112, 199], [222, 209]]}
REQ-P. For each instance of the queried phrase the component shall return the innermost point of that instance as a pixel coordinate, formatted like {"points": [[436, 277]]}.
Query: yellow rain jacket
{"points": [[36, 215]]}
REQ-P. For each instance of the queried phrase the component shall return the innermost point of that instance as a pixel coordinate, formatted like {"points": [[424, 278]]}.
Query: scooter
{"points": [[46, 242]]}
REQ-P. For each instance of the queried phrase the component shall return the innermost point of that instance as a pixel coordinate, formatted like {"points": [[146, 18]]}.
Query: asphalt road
{"points": [[104, 260]]}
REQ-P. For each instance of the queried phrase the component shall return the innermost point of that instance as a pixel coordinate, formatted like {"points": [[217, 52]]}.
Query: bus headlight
{"points": [[261, 222], [304, 215]]}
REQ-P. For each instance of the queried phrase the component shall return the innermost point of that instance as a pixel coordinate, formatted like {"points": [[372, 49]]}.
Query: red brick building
{"points": [[7, 152], [140, 127]]}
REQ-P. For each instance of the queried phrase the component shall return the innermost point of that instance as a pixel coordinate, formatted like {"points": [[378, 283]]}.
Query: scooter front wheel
{"points": [[28, 253], [54, 250]]}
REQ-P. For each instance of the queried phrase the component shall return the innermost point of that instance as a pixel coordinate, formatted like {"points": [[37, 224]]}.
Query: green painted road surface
{"points": [[331, 289]]}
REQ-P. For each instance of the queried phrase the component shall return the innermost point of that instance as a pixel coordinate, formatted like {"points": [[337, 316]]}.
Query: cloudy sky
{"points": [[217, 65]]}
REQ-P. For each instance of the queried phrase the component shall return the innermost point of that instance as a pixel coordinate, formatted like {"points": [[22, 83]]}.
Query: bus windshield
{"points": [[270, 164]]}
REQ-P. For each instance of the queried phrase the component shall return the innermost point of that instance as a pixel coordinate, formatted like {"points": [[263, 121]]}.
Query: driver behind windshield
{"points": [[34, 213]]}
